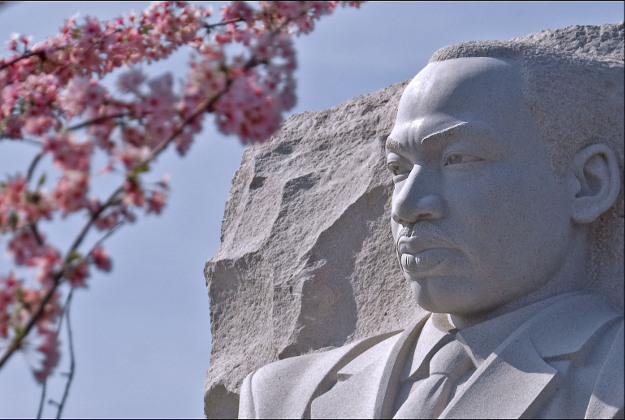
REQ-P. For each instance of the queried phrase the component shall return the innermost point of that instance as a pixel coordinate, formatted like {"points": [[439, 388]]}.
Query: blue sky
{"points": [[142, 333]]}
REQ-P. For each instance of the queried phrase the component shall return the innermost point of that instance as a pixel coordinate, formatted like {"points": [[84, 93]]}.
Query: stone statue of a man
{"points": [[507, 162]]}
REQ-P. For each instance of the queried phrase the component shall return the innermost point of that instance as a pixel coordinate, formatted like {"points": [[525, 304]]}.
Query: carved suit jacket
{"points": [[565, 361]]}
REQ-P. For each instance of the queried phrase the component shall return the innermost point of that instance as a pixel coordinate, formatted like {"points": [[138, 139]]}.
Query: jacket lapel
{"points": [[369, 390], [518, 368], [515, 381]]}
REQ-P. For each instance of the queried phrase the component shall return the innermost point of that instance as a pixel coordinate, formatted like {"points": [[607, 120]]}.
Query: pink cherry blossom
{"points": [[53, 91], [71, 191], [134, 194], [131, 80], [81, 93], [68, 154], [9, 285], [132, 156], [19, 206], [77, 273], [50, 350], [101, 259]]}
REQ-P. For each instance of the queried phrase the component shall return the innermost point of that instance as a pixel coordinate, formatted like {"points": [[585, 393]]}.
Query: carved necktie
{"points": [[429, 397]]}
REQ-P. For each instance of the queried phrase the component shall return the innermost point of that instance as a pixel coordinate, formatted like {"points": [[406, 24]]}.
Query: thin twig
{"points": [[72, 359], [58, 332], [26, 140], [92, 219], [33, 165], [33, 228], [109, 233], [210, 26], [43, 398], [97, 120]]}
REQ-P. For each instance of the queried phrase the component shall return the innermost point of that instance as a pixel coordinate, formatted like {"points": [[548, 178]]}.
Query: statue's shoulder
{"points": [[582, 337], [607, 400], [284, 389]]}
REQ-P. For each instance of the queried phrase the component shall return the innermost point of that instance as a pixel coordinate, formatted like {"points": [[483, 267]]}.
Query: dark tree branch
{"points": [[26, 140], [204, 106], [33, 165], [72, 359], [24, 56], [210, 26], [109, 233], [98, 120], [43, 398], [16, 343]]}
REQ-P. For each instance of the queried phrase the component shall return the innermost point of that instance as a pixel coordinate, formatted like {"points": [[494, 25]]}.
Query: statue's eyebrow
{"points": [[445, 133], [480, 130], [394, 146]]}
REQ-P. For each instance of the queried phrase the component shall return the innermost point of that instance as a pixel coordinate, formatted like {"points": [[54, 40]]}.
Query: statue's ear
{"points": [[595, 168]]}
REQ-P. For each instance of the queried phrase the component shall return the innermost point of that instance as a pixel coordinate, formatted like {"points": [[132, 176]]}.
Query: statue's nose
{"points": [[414, 199]]}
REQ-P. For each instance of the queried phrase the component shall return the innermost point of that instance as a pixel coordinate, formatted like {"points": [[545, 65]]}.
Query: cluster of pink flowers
{"points": [[50, 349], [16, 306], [51, 94], [20, 207], [67, 153]]}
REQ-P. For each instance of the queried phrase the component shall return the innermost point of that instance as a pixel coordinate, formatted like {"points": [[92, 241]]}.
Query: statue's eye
{"points": [[458, 158], [399, 170], [394, 168]]}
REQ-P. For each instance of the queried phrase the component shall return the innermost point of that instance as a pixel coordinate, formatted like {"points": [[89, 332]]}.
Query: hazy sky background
{"points": [[142, 333]]}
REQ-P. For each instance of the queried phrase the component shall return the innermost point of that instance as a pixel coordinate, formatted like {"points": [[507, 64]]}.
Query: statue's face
{"points": [[480, 221]]}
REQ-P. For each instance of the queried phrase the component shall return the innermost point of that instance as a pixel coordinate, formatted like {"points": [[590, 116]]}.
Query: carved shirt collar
{"points": [[479, 340]]}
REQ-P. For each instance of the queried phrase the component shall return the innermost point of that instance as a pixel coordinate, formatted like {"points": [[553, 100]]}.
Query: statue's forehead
{"points": [[464, 79], [463, 89], [467, 68]]}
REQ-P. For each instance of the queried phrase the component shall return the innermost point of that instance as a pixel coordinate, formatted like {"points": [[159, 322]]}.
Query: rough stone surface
{"points": [[306, 259], [599, 41], [306, 242]]}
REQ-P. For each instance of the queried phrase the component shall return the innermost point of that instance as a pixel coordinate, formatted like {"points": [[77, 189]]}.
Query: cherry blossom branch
{"points": [[42, 398], [72, 357], [83, 232], [210, 26], [106, 236], [70, 374], [33, 165], [35, 230], [26, 140], [24, 56], [40, 95], [16, 343], [31, 141], [98, 120]]}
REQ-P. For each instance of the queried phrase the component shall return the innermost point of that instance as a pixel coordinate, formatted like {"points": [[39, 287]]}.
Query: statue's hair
{"points": [[576, 100]]}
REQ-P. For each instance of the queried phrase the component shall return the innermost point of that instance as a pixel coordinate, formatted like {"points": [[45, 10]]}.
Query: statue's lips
{"points": [[416, 244], [421, 255]]}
